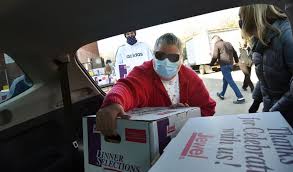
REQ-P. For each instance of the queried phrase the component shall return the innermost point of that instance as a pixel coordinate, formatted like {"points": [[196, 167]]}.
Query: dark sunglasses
{"points": [[172, 57]]}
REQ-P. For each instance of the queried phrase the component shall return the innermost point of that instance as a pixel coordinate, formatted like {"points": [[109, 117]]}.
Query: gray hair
{"points": [[168, 39]]}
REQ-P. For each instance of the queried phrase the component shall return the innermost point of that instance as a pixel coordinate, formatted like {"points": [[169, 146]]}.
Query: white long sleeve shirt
{"points": [[131, 56]]}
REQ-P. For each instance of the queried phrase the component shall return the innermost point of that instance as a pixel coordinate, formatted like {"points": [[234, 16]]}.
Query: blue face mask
{"points": [[131, 40], [166, 69]]}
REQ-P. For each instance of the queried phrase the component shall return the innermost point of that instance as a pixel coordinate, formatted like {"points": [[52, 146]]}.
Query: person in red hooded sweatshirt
{"points": [[162, 81]]}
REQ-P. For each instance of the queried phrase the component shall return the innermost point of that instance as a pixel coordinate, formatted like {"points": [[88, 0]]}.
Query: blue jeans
{"points": [[227, 79]]}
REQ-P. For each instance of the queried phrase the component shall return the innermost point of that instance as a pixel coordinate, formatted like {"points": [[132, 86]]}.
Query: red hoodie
{"points": [[144, 88]]}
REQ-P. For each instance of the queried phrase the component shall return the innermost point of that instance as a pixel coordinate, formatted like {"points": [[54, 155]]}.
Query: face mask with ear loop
{"points": [[165, 68]]}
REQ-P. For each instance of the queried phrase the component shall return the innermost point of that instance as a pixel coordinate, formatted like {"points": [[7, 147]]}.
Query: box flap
{"points": [[156, 113]]}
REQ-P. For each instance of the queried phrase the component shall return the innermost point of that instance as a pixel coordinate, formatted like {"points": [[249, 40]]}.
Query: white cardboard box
{"points": [[143, 138], [260, 142]]}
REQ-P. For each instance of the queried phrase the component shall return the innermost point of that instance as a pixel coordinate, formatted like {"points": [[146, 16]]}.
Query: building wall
{"points": [[88, 51], [89, 56]]}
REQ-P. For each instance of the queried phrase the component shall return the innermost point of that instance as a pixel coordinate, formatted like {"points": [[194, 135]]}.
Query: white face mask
{"points": [[166, 69]]}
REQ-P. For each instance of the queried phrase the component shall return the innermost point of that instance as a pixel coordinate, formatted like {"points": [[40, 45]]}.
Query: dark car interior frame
{"points": [[39, 35]]}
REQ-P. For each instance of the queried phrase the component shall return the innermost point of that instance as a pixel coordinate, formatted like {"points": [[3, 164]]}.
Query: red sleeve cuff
{"points": [[111, 99]]}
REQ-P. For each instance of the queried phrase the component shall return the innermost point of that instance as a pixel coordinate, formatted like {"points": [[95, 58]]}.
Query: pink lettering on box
{"points": [[171, 129], [195, 146]]}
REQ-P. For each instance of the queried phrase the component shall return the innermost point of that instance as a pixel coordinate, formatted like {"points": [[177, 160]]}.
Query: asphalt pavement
{"points": [[214, 83]]}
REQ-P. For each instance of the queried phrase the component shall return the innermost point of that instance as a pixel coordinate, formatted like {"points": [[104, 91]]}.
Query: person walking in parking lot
{"points": [[132, 54], [245, 63], [272, 40], [163, 81], [223, 53]]}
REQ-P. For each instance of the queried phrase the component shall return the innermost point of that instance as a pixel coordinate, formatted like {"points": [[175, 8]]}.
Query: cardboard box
{"points": [[143, 138], [260, 142]]}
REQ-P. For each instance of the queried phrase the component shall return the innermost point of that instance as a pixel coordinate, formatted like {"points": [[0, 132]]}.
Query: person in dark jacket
{"points": [[224, 53], [245, 63], [291, 87], [272, 55]]}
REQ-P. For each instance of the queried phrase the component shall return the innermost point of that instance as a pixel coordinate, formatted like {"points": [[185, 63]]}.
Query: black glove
{"points": [[276, 107], [254, 107]]}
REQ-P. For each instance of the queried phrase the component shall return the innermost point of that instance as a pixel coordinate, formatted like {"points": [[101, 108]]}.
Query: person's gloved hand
{"points": [[276, 107], [254, 107], [106, 119]]}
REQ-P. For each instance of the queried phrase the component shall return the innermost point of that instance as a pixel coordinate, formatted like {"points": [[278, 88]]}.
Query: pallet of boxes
{"points": [[261, 142], [140, 140]]}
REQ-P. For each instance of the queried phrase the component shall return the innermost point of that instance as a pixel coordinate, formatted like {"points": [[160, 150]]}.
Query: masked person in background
{"points": [[161, 82], [272, 54], [132, 54], [108, 68]]}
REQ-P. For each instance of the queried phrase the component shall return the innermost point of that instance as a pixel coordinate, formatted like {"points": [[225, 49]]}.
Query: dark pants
{"points": [[247, 73], [227, 79]]}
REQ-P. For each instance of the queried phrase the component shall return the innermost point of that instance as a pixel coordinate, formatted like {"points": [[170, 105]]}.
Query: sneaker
{"points": [[239, 101], [245, 89], [220, 96]]}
